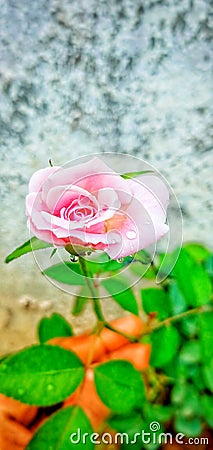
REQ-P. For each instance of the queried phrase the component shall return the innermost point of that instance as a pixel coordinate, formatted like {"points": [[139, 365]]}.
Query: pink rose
{"points": [[93, 206]]}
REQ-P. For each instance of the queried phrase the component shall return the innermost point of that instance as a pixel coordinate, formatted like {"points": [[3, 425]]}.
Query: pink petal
{"points": [[62, 196], [145, 217], [30, 199], [108, 197], [91, 176], [35, 208], [39, 178], [46, 236], [152, 192], [85, 237]]}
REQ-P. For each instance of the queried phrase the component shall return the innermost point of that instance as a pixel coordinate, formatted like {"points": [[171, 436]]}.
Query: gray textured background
{"points": [[93, 76]]}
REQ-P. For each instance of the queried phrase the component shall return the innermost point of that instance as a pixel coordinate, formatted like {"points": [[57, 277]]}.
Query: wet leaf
{"points": [[41, 375], [124, 383]]}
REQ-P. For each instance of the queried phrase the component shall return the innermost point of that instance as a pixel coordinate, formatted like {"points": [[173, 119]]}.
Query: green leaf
{"points": [[143, 257], [206, 335], [190, 326], [180, 392], [165, 265], [209, 266], [191, 352], [145, 270], [119, 385], [81, 301], [207, 371], [198, 251], [54, 326], [165, 343], [186, 399], [149, 419], [177, 300], [128, 175], [67, 428], [68, 273], [197, 378], [29, 246], [191, 427], [190, 407], [156, 300], [128, 426], [192, 280], [102, 264], [41, 375], [162, 413], [3, 358], [121, 293], [53, 252], [207, 408], [127, 423], [142, 265]]}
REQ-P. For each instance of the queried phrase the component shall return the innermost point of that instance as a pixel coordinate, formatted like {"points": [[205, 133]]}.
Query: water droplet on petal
{"points": [[147, 222], [131, 234], [113, 241], [131, 246], [73, 258], [50, 387]]}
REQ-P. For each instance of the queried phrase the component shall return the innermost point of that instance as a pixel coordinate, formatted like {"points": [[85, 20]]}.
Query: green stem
{"points": [[198, 310], [126, 335], [96, 302], [93, 290]]}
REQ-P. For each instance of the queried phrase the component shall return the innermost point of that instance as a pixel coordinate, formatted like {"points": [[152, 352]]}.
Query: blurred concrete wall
{"points": [[85, 76]]}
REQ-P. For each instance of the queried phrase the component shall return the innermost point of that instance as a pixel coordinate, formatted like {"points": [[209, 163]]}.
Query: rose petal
{"points": [[141, 225], [46, 235], [91, 176], [62, 196], [87, 238], [30, 199], [39, 178], [152, 192], [108, 197]]}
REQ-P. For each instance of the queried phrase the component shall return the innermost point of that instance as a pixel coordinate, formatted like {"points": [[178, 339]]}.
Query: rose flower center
{"points": [[80, 209]]}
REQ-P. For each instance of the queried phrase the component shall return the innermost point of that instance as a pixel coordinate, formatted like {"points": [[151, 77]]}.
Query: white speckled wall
{"points": [[87, 76]]}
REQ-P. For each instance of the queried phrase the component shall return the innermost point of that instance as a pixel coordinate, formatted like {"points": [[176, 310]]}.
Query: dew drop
{"points": [[113, 241], [50, 387], [131, 246], [73, 258], [120, 260], [147, 222], [88, 253], [131, 234], [20, 391]]}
